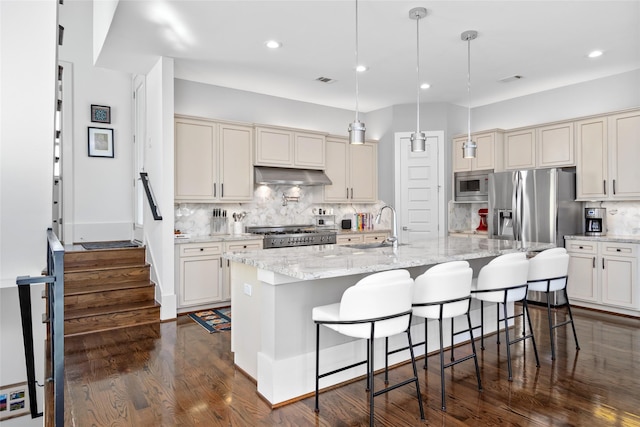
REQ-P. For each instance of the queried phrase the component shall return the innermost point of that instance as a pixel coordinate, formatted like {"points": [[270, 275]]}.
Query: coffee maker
{"points": [[595, 221]]}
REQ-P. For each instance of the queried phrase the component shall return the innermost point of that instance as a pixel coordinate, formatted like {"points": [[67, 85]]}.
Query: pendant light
{"points": [[418, 138], [356, 129], [469, 148]]}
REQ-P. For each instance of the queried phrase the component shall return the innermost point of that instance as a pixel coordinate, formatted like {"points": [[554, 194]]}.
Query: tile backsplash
{"points": [[623, 218], [269, 208]]}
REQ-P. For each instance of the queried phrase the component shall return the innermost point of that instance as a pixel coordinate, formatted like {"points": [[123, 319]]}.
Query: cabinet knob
{"points": [[201, 249], [618, 250], [245, 246], [581, 247]]}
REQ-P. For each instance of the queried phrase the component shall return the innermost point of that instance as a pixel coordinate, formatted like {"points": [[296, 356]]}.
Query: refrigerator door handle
{"points": [[516, 206]]}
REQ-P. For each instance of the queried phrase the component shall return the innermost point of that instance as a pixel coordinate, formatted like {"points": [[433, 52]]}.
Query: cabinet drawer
{"points": [[349, 239], [200, 249], [372, 238], [585, 247], [245, 245], [619, 249]]}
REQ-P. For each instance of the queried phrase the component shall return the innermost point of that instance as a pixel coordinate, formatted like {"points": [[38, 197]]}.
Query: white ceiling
{"points": [[222, 43]]}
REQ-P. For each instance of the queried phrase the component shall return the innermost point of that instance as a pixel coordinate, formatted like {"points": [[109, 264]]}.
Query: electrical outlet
{"points": [[247, 289]]}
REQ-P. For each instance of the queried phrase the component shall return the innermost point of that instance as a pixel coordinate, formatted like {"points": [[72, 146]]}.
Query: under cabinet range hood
{"points": [[270, 175]]}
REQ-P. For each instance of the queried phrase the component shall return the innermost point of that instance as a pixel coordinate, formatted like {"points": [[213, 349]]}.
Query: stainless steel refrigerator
{"points": [[534, 206]]}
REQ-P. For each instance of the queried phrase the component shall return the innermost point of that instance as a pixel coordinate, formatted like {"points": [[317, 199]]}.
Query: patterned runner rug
{"points": [[213, 320]]}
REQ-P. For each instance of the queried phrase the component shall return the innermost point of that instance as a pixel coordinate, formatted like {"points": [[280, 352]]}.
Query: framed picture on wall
{"points": [[14, 401], [101, 142], [100, 114]]}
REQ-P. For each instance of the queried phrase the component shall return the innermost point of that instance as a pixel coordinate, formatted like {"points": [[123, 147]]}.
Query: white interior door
{"points": [[419, 178]]}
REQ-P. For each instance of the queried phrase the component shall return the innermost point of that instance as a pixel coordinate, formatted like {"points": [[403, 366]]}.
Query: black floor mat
{"points": [[109, 245]]}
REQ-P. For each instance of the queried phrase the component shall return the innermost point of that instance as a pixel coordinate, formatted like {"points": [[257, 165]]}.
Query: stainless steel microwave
{"points": [[472, 186]]}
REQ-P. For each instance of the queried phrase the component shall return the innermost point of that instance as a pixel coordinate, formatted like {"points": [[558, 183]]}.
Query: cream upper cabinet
{"points": [[555, 145], [353, 171], [236, 169], [212, 161], [520, 149], [592, 159], [624, 146], [486, 155], [279, 147], [608, 152], [196, 171]]}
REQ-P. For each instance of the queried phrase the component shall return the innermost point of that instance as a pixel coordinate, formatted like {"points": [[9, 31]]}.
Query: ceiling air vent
{"points": [[325, 80], [510, 79]]}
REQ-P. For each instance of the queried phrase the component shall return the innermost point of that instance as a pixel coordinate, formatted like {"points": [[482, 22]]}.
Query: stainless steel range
{"points": [[281, 236]]}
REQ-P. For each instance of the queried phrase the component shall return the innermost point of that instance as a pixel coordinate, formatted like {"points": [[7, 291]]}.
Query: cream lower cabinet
{"points": [[235, 246], [356, 238], [353, 171], [604, 275], [199, 272]]}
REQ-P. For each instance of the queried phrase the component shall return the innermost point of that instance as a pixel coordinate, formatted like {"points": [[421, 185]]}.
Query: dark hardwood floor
{"points": [[176, 374]]}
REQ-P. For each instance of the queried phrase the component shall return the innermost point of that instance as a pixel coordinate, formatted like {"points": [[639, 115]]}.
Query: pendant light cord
{"points": [[357, 61], [469, 88], [418, 75]]}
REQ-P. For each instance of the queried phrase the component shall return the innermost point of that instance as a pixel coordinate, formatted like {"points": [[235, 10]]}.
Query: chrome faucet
{"points": [[393, 239]]}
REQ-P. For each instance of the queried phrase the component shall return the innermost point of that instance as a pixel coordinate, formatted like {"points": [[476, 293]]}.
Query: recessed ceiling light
{"points": [[425, 86], [273, 44], [361, 68], [595, 54]]}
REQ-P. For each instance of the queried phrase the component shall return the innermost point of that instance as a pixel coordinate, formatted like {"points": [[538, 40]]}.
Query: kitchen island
{"points": [[273, 292]]}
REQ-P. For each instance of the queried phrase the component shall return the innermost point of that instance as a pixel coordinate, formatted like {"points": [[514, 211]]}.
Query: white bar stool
{"points": [[548, 273], [444, 292], [504, 280], [378, 306]]}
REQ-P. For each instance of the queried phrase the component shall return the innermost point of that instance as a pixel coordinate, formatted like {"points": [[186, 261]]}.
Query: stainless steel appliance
{"points": [[595, 221], [281, 236], [471, 186], [534, 206]]}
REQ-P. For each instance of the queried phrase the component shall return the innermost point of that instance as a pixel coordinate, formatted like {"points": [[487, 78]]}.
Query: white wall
{"points": [[102, 187], [158, 163], [27, 104], [604, 95]]}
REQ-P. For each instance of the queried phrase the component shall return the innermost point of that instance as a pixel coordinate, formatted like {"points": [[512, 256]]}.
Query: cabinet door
{"points": [[619, 281], [274, 147], [582, 283], [309, 151], [520, 149], [200, 280], [236, 167], [591, 164], [485, 156], [555, 145], [460, 164], [235, 246], [337, 155], [363, 172], [624, 140], [196, 174]]}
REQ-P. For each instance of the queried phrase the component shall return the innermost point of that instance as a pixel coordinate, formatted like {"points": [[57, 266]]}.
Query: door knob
{"points": [[405, 228]]}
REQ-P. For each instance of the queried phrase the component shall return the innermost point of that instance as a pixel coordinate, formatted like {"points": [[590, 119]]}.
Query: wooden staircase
{"points": [[107, 289]]}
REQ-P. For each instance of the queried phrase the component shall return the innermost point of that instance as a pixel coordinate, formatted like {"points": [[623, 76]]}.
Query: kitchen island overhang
{"points": [[274, 291]]}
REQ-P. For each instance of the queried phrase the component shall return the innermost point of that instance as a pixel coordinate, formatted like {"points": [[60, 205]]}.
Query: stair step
{"points": [[82, 260], [77, 281], [109, 294], [85, 321]]}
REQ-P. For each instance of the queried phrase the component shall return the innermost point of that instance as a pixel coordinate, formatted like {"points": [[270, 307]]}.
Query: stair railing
{"points": [[155, 211], [54, 317]]}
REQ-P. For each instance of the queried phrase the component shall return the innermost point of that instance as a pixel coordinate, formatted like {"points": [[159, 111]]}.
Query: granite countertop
{"points": [[217, 238], [326, 261], [606, 238]]}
